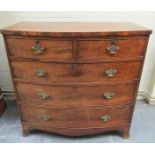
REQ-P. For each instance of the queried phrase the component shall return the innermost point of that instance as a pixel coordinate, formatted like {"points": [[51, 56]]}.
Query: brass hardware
{"points": [[110, 72], [43, 95], [37, 48], [45, 117], [40, 72], [113, 48], [105, 118], [108, 95]]}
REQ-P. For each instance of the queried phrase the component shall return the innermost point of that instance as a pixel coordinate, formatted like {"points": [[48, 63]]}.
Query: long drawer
{"points": [[44, 49], [76, 117], [59, 72], [59, 96]]}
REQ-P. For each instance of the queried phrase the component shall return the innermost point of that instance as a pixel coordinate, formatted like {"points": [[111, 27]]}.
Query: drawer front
{"points": [[111, 49], [58, 72], [40, 49], [76, 117], [59, 96]]}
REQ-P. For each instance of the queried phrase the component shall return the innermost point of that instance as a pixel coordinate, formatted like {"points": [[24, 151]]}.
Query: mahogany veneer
{"points": [[76, 79]]}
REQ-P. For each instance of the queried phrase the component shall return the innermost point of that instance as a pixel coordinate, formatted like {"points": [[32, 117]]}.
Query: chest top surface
{"points": [[76, 29]]}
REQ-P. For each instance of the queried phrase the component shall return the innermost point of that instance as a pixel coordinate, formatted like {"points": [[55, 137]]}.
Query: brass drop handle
{"points": [[40, 72], [108, 95], [113, 48], [37, 48], [45, 117], [110, 72], [43, 95], [105, 118]]}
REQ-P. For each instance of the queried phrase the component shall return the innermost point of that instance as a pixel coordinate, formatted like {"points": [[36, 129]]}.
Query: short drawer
{"points": [[40, 49], [59, 72], [59, 96], [111, 49], [76, 117]]}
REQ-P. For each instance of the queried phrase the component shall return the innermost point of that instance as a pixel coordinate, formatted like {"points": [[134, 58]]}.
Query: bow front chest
{"points": [[76, 79]]}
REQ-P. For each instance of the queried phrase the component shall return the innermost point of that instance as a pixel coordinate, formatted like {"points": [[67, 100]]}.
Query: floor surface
{"points": [[142, 129]]}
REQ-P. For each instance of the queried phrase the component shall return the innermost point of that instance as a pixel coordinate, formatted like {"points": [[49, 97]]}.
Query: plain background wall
{"points": [[146, 19]]}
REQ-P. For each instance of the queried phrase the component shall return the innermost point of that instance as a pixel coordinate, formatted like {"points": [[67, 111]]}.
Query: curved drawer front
{"points": [[112, 49], [58, 72], [40, 49], [75, 95], [76, 117]]}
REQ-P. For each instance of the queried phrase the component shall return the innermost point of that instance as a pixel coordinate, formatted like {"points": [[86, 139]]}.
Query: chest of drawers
{"points": [[76, 79]]}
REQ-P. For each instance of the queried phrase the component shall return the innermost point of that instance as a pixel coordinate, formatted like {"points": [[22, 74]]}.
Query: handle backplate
{"points": [[45, 117], [43, 95], [110, 72], [108, 95], [37, 48], [113, 48], [40, 72], [105, 118]]}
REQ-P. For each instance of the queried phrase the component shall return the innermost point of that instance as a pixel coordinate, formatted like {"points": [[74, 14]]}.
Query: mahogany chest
{"points": [[76, 79]]}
